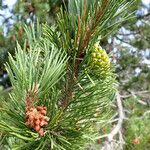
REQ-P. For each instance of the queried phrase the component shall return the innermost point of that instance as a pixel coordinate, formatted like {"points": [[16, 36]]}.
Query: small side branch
{"points": [[140, 94], [118, 127], [111, 143]]}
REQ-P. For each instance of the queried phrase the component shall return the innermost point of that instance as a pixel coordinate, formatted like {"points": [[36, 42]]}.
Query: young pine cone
{"points": [[99, 63]]}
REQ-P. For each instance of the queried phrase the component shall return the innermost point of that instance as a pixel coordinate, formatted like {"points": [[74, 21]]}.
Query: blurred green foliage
{"points": [[137, 128]]}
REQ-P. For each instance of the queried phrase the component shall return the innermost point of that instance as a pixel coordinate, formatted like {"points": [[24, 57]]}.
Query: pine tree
{"points": [[58, 94]]}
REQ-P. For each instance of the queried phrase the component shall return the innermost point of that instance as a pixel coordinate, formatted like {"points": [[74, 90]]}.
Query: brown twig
{"points": [[79, 31], [87, 35], [89, 30], [84, 11]]}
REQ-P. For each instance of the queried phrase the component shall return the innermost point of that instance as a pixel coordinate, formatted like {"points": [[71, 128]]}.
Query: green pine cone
{"points": [[99, 63]]}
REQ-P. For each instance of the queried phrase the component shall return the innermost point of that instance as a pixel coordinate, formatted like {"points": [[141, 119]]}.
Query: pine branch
{"points": [[90, 27], [91, 21], [71, 94], [120, 121], [109, 144], [86, 36]]}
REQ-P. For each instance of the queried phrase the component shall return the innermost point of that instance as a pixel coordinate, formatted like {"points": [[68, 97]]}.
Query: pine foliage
{"points": [[49, 71]]}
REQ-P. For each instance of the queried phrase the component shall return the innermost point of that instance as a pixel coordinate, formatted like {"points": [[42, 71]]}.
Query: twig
{"points": [[6, 91], [142, 102], [118, 127], [134, 94], [109, 144]]}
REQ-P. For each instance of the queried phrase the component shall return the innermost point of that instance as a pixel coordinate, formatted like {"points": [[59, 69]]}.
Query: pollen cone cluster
{"points": [[99, 63], [36, 118]]}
